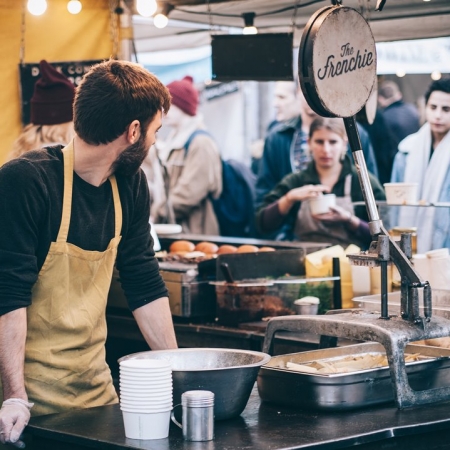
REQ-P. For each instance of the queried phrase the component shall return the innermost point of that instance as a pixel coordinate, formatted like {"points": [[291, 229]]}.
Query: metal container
{"points": [[345, 391], [230, 374], [198, 415]]}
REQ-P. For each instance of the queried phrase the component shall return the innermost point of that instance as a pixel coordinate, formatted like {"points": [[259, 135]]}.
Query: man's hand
{"points": [[14, 416]]}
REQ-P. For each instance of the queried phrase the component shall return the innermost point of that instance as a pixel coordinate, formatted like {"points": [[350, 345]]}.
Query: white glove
{"points": [[14, 416]]}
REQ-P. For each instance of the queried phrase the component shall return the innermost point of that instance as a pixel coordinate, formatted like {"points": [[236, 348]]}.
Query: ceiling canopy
{"points": [[193, 21]]}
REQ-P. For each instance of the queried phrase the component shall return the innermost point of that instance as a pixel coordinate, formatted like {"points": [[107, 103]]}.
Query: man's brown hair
{"points": [[113, 94]]}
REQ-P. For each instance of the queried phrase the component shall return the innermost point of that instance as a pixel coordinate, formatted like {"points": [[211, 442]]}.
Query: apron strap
{"points": [[67, 193], [348, 185], [117, 205], [67, 197]]}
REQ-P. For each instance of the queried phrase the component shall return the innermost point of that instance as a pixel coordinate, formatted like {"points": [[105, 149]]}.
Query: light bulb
{"points": [[436, 75], [37, 7], [74, 6], [146, 8], [250, 30], [160, 21], [400, 73]]}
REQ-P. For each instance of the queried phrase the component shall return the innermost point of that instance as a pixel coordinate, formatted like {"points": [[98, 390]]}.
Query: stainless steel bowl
{"points": [[229, 373]]}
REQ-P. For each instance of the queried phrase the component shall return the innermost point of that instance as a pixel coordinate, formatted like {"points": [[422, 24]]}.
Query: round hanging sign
{"points": [[337, 61]]}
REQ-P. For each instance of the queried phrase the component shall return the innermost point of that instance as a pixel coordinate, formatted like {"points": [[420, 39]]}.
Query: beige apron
{"points": [[308, 229], [65, 365]]}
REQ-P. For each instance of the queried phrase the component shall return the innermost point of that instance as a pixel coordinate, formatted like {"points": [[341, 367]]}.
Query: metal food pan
{"points": [[344, 391]]}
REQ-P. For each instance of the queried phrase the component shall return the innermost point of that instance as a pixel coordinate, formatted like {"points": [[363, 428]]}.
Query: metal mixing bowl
{"points": [[229, 373]]}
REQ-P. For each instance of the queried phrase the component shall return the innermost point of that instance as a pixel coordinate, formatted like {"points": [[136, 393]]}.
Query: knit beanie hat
{"points": [[52, 98], [184, 95]]}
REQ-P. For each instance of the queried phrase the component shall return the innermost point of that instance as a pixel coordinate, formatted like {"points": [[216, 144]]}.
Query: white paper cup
{"points": [[150, 405], [322, 203], [401, 193], [146, 394], [144, 364], [147, 409], [147, 376], [146, 425]]}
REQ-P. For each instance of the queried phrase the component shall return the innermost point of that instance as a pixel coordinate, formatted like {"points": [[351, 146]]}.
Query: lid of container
{"points": [[309, 300], [197, 398]]}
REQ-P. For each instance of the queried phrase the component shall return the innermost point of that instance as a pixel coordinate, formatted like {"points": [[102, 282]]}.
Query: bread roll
{"points": [[224, 249], [266, 249], [246, 248], [207, 247], [181, 247]]}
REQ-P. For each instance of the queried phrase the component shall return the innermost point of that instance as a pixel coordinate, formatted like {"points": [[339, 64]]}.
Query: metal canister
{"points": [[198, 415]]}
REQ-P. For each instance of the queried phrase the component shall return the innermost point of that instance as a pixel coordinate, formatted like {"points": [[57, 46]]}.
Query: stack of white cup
{"points": [[146, 398]]}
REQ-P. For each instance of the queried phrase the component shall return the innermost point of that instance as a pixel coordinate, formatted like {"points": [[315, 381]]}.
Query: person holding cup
{"points": [[292, 203]]}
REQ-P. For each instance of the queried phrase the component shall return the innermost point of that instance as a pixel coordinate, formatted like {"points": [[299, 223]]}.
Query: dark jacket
{"points": [[402, 118], [277, 158], [310, 176]]}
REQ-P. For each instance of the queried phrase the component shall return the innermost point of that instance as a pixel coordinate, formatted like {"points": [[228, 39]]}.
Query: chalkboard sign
{"points": [[30, 73]]}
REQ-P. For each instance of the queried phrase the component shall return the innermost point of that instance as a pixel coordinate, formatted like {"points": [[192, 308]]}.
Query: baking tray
{"points": [[345, 391]]}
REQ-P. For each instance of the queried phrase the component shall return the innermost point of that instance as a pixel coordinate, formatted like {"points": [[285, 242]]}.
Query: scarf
{"points": [[430, 175]]}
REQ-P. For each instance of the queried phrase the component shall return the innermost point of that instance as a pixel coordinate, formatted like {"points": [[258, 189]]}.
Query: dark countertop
{"points": [[260, 427]]}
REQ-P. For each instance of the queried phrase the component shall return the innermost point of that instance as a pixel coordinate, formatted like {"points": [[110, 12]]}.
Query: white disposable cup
{"points": [[147, 376], [145, 386], [145, 369], [422, 265], [147, 407], [148, 391], [146, 373], [136, 386], [401, 193], [322, 203], [154, 397], [146, 394], [152, 364], [146, 425], [439, 268]]}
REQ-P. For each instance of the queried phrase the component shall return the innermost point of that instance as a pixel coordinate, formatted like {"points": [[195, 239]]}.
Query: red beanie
{"points": [[52, 98], [184, 95]]}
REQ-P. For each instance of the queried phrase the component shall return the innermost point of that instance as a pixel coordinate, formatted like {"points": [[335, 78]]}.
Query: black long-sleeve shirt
{"points": [[31, 195]]}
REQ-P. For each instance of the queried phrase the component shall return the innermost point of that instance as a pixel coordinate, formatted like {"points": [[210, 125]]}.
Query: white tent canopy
{"points": [[193, 21]]}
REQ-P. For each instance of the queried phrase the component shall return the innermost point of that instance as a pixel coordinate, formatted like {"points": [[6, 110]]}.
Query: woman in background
{"points": [[50, 113], [330, 171]]}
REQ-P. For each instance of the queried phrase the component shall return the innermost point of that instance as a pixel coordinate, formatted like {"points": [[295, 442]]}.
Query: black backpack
{"points": [[235, 208]]}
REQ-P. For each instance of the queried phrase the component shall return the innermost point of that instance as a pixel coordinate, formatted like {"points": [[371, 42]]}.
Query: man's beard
{"points": [[131, 158]]}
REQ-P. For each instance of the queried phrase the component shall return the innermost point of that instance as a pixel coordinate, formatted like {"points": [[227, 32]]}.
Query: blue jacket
{"points": [[277, 158]]}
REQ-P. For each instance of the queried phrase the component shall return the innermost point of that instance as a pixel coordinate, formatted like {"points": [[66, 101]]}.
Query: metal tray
{"points": [[344, 391]]}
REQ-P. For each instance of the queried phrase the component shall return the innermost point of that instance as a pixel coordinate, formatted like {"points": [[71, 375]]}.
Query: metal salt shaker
{"points": [[198, 415]]}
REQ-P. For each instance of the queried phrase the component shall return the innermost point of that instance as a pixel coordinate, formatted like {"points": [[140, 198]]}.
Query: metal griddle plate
{"points": [[345, 391]]}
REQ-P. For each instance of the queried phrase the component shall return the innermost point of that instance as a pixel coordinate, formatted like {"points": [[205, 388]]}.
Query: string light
{"points": [[74, 6], [249, 28], [37, 7], [146, 8], [160, 21], [436, 75], [162, 18]]}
